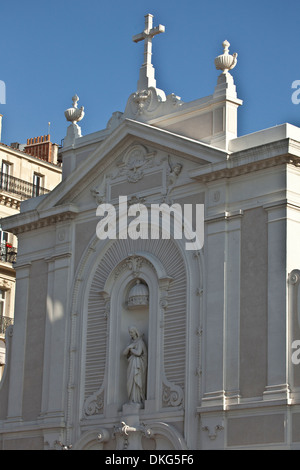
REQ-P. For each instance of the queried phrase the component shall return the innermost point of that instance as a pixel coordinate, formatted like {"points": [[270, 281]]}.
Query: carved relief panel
{"points": [[139, 171]]}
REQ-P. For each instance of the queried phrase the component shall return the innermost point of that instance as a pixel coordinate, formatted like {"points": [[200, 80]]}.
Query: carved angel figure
{"points": [[173, 173]]}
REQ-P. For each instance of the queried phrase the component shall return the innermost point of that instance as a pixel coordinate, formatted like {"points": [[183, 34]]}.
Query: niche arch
{"points": [[169, 271], [147, 268]]}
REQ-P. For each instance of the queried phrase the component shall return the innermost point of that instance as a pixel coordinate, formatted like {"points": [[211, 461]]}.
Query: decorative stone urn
{"points": [[226, 62], [74, 114]]}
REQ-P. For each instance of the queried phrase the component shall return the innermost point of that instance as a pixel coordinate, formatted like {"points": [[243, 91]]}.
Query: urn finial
{"points": [[75, 100], [74, 114], [226, 62]]}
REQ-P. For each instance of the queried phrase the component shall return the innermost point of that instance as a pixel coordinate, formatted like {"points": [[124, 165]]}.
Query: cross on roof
{"points": [[147, 70]]}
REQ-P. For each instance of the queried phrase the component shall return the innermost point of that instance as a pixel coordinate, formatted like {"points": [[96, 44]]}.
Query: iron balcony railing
{"points": [[8, 253], [21, 188], [5, 322]]}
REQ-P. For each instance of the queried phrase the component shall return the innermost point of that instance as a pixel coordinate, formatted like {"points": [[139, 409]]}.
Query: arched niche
{"points": [[149, 271]]}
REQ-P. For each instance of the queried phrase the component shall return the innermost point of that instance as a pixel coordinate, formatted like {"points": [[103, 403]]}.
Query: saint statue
{"points": [[136, 353]]}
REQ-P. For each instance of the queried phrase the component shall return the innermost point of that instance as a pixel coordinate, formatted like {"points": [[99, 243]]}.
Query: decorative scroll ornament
{"points": [[294, 277], [144, 104], [172, 395], [136, 200], [132, 263], [94, 404], [142, 100]]}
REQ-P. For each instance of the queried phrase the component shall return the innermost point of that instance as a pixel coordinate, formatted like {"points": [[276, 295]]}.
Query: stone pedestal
{"points": [[73, 132]]}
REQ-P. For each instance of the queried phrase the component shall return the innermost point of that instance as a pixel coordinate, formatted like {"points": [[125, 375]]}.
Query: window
{"points": [[2, 311], [4, 320], [3, 245], [37, 184], [5, 171], [2, 303], [3, 236]]}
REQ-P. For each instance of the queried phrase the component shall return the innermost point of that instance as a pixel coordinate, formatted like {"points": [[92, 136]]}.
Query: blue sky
{"points": [[53, 49]]}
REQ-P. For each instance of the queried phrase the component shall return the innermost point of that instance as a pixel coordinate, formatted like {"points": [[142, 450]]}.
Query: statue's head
{"points": [[134, 332]]}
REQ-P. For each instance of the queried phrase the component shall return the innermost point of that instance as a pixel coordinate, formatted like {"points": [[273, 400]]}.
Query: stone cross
{"points": [[147, 79]]}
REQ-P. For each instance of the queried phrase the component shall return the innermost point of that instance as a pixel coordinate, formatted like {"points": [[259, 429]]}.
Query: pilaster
{"points": [[277, 386], [213, 328], [55, 376], [232, 308], [15, 399]]}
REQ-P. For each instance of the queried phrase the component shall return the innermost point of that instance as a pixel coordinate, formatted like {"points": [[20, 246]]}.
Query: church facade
{"points": [[128, 336]]}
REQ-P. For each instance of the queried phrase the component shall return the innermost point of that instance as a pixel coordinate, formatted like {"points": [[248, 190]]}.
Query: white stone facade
{"points": [[218, 324]]}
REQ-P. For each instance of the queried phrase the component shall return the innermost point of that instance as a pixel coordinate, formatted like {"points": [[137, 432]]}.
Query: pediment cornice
{"points": [[127, 134]]}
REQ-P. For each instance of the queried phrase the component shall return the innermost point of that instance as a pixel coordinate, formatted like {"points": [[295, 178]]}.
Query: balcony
{"points": [[5, 322], [8, 253], [21, 188]]}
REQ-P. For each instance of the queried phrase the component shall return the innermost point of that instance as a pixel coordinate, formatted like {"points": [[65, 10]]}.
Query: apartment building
{"points": [[26, 171]]}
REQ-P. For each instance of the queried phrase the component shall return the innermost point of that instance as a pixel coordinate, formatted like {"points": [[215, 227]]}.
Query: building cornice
{"points": [[34, 219], [264, 156], [31, 158]]}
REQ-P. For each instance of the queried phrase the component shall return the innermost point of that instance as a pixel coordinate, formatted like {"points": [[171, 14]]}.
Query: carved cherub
{"points": [[173, 173], [99, 194]]}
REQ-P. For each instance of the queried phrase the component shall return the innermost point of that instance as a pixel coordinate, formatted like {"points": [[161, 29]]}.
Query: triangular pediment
{"points": [[135, 159]]}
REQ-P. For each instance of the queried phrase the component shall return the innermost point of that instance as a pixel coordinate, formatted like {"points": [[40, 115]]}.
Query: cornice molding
{"points": [[34, 220], [225, 215], [237, 165]]}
